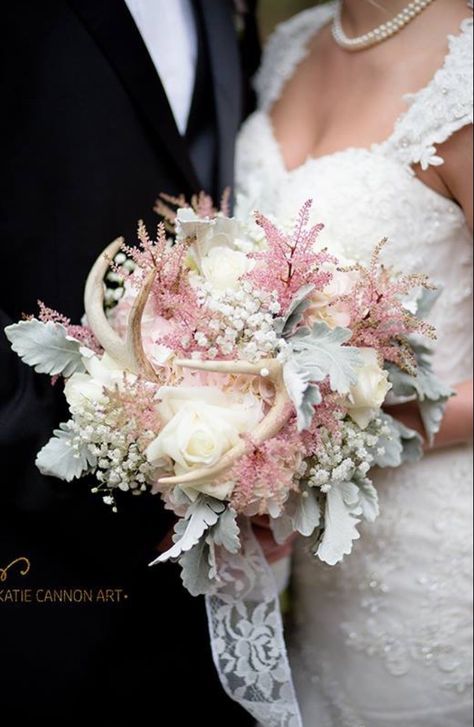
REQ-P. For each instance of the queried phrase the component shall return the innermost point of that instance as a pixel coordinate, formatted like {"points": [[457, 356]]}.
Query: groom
{"points": [[106, 103]]}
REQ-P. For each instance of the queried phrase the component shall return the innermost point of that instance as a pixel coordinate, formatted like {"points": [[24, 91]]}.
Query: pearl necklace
{"points": [[377, 35]]}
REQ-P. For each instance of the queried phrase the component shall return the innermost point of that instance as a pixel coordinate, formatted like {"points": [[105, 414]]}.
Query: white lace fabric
{"points": [[385, 638], [247, 637]]}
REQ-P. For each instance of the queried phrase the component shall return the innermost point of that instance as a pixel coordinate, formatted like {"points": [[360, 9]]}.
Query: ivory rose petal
{"points": [[367, 396], [202, 424]]}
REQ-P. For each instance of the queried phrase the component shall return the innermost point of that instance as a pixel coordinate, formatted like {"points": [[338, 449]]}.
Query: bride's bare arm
{"points": [[456, 172], [454, 179]]}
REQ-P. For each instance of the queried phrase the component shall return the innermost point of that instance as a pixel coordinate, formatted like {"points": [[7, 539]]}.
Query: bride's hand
{"points": [[409, 415], [457, 424], [272, 551]]}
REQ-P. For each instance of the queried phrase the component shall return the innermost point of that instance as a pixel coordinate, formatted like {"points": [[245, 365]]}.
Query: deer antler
{"points": [[128, 353], [134, 344], [270, 425]]}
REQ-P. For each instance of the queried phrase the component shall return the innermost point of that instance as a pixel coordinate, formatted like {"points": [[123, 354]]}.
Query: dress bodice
{"points": [[362, 195]]}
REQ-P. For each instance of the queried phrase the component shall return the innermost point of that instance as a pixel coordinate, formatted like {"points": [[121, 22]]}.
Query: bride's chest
{"points": [[360, 195]]}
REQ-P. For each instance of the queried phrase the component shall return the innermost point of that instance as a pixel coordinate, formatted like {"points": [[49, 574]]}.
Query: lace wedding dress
{"points": [[384, 639]]}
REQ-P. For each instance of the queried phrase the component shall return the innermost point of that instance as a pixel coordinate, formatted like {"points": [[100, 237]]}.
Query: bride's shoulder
{"points": [[460, 44], [451, 88], [440, 109], [285, 48]]}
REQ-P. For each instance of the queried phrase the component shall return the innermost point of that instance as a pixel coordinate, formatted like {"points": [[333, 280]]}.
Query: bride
{"points": [[376, 128]]}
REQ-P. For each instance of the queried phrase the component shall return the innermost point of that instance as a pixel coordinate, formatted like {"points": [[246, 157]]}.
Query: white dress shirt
{"points": [[169, 33]]}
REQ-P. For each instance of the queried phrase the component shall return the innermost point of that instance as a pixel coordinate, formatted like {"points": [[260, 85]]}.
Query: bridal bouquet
{"points": [[236, 369]]}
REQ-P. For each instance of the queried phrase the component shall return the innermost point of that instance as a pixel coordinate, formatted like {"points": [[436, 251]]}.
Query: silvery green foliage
{"points": [[399, 445], [412, 443], [430, 392], [202, 514], [198, 565], [319, 352], [302, 393], [226, 532], [426, 301], [46, 346], [58, 459], [197, 569], [341, 517], [368, 499], [302, 514], [286, 325]]}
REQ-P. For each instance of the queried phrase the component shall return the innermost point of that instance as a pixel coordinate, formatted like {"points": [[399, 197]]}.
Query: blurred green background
{"points": [[272, 12]]}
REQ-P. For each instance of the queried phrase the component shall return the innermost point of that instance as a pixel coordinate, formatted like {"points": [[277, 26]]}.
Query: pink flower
{"points": [[290, 261]]}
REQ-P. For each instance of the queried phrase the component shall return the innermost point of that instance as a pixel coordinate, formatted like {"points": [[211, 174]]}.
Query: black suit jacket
{"points": [[87, 141]]}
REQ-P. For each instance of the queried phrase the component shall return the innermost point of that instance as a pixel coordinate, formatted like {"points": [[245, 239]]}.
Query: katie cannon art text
{"points": [[76, 596], [63, 596]]}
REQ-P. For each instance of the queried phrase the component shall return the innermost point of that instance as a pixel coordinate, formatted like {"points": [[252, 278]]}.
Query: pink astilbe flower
{"points": [[83, 334], [267, 474], [132, 407], [173, 297], [379, 318], [290, 261]]}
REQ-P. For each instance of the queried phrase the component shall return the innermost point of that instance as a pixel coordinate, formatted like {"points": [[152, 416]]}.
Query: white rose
{"points": [[321, 307], [101, 373], [367, 396], [223, 267], [202, 424]]}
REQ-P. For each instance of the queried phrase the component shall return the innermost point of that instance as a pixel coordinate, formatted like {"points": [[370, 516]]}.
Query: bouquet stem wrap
{"points": [[247, 639]]}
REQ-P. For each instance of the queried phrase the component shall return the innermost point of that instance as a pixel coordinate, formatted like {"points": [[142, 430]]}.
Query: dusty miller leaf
{"points": [[58, 459], [368, 499], [426, 301], [412, 443], [302, 514], [195, 569], [46, 347], [202, 514], [304, 395], [304, 511], [320, 352], [226, 532], [340, 522], [431, 393], [400, 445], [285, 325]]}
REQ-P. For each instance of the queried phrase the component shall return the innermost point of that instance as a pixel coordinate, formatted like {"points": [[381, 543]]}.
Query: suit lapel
{"points": [[223, 47], [115, 32]]}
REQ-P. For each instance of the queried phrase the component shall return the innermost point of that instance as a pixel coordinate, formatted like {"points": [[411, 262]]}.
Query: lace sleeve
{"points": [[440, 109], [285, 49]]}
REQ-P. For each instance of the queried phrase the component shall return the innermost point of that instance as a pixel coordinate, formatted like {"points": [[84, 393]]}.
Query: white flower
{"points": [[338, 314], [102, 373], [367, 396], [189, 224], [209, 232], [202, 424], [223, 267]]}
